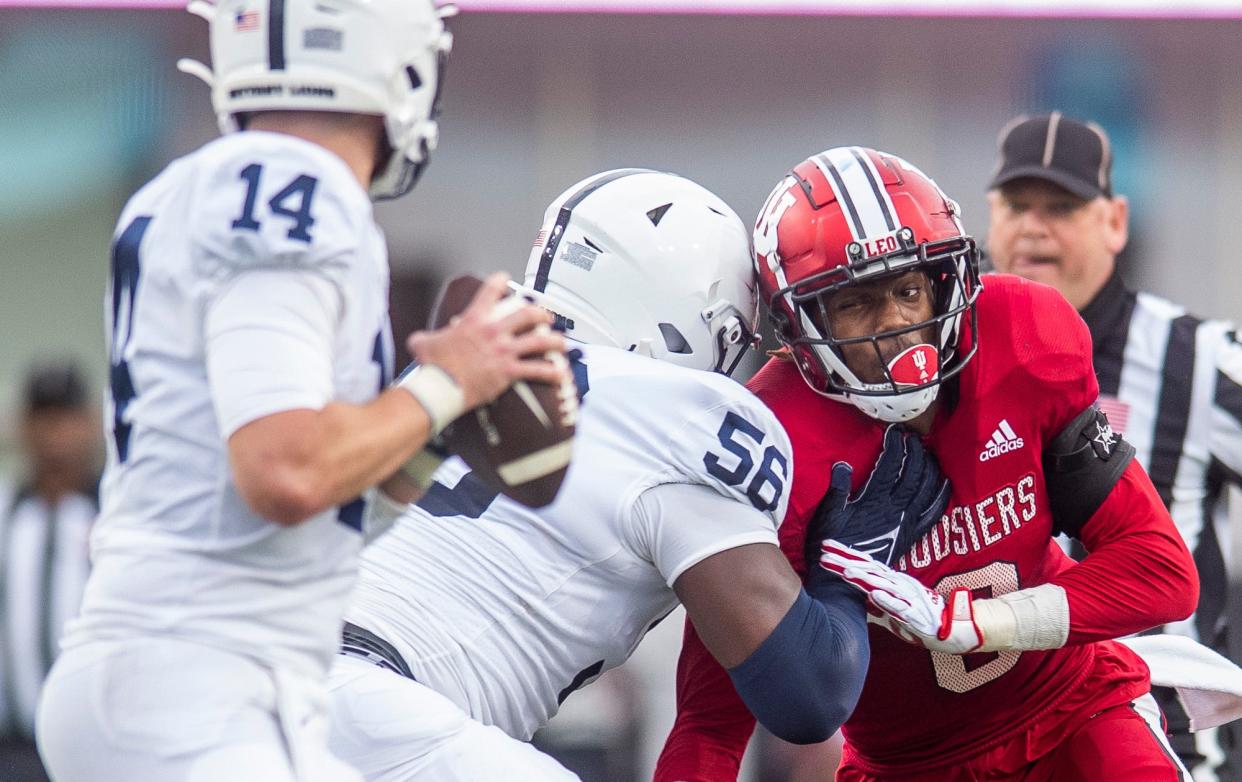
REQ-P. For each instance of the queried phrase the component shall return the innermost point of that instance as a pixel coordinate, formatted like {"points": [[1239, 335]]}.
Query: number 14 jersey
{"points": [[248, 278]]}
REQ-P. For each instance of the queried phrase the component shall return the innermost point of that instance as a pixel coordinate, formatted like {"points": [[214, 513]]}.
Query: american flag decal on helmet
{"points": [[246, 21]]}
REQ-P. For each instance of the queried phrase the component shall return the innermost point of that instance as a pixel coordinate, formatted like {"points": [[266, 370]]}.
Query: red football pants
{"points": [[1117, 745]]}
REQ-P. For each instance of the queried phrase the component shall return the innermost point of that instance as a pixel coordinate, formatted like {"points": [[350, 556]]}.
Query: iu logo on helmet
{"points": [[766, 239], [915, 366]]}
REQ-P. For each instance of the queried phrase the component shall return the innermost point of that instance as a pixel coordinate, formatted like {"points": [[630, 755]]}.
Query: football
{"points": [[520, 443]]}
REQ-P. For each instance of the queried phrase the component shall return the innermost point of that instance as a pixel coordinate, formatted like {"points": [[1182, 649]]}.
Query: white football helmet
{"points": [[383, 57], [648, 262]]}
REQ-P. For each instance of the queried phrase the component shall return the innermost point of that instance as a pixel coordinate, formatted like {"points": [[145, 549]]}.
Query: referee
{"points": [[45, 521], [1169, 381]]}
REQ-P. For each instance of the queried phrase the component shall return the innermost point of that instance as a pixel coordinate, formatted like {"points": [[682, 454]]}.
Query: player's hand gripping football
{"points": [[491, 344], [904, 496], [910, 610]]}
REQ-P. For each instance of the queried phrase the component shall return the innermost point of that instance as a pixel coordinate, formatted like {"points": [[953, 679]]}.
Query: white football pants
{"points": [[394, 729], [176, 711]]}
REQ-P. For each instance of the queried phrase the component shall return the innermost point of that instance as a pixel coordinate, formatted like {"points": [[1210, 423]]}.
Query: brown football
{"points": [[520, 443]]}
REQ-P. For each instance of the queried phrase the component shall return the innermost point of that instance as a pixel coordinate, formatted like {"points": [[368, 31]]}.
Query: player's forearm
{"points": [[365, 445], [1101, 608], [802, 685], [804, 680], [1138, 573], [691, 755], [713, 726], [297, 464]]}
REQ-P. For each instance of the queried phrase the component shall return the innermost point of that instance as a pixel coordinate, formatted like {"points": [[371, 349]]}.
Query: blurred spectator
{"points": [[1169, 381], [44, 524]]}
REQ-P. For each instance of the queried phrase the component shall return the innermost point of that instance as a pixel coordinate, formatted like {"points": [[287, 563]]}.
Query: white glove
{"points": [[913, 612], [1034, 618]]}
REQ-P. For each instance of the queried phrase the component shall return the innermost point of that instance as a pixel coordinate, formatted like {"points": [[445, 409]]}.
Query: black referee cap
{"points": [[55, 386], [1067, 152]]}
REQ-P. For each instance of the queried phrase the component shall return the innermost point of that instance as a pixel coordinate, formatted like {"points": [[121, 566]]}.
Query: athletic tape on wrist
{"points": [[1034, 618], [437, 392]]}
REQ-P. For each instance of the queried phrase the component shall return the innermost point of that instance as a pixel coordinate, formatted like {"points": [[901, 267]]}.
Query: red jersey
{"points": [[920, 709]]}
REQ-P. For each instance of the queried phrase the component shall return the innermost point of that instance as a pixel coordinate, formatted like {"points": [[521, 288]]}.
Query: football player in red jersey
{"points": [[873, 290]]}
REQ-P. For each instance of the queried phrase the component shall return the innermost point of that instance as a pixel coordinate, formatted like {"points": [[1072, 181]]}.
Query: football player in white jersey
{"points": [[469, 627], [250, 347]]}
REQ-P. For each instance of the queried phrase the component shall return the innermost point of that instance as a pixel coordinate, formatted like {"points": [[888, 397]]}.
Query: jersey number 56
{"points": [[743, 439]]}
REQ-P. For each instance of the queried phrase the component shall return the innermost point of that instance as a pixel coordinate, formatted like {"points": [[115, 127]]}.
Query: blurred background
{"points": [[91, 106]]}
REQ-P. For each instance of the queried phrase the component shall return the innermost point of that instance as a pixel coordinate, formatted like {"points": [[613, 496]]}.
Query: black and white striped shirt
{"points": [[1172, 384], [44, 562]]}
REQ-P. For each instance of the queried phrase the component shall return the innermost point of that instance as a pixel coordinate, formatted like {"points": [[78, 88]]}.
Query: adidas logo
{"points": [[1003, 441]]}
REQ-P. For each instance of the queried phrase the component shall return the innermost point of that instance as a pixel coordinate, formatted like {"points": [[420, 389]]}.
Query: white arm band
{"points": [[1035, 618], [437, 392]]}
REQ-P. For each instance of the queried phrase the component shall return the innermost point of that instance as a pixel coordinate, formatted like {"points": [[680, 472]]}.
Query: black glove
{"points": [[904, 497]]}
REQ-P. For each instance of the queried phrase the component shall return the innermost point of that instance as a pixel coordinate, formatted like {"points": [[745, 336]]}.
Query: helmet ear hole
{"points": [[674, 340]]}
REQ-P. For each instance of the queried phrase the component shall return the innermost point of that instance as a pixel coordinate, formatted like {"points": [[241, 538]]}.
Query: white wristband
{"points": [[1034, 618], [437, 392]]}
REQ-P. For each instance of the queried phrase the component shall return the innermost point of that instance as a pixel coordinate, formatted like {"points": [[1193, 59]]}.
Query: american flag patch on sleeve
{"points": [[1118, 412]]}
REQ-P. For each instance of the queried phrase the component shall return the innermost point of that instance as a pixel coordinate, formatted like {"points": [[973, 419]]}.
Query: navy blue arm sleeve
{"points": [[804, 680]]}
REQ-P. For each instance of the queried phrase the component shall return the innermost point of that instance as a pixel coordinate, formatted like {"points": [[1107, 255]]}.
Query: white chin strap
{"points": [[895, 408]]}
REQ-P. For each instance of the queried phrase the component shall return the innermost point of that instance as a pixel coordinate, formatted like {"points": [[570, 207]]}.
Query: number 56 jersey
{"points": [[248, 278], [507, 610]]}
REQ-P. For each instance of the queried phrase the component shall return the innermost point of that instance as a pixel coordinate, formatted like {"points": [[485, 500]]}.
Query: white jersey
{"points": [[507, 610], [254, 234]]}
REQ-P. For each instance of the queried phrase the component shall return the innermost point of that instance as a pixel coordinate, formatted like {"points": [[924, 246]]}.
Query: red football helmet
{"points": [[851, 215]]}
